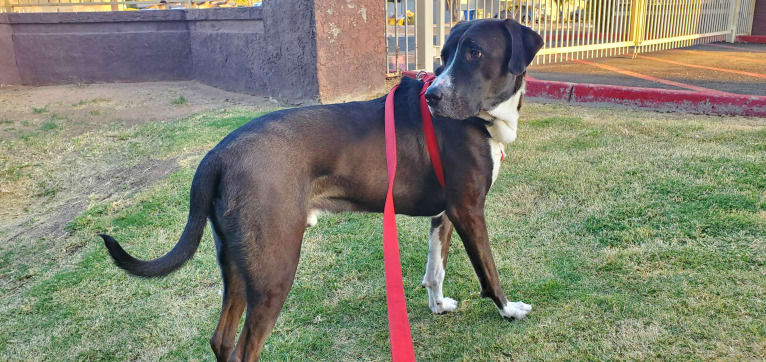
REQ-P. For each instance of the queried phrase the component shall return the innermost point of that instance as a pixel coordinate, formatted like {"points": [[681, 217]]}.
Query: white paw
{"points": [[445, 306], [515, 310]]}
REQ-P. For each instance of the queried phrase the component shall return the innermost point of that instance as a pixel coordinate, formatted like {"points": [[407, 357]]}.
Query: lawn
{"points": [[635, 235]]}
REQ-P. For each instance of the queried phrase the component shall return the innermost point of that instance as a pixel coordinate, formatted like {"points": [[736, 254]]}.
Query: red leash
{"points": [[428, 128], [398, 323]]}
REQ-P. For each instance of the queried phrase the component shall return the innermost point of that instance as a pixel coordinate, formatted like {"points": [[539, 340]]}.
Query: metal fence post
{"points": [[637, 22], [424, 28], [733, 21], [440, 24]]}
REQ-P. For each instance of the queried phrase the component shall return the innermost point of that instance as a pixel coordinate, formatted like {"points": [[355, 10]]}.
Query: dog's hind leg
{"points": [[234, 302], [271, 262], [438, 246]]}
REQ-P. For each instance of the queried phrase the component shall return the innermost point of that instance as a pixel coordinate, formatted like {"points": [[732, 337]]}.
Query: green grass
{"points": [[84, 102], [48, 125], [46, 190], [635, 235], [180, 100], [40, 109], [56, 117]]}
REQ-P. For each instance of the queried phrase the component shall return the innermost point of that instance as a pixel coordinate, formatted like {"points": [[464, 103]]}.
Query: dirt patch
{"points": [[49, 179], [96, 105], [48, 219]]}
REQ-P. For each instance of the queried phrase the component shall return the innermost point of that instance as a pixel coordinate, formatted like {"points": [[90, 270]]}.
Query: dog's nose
{"points": [[433, 96]]}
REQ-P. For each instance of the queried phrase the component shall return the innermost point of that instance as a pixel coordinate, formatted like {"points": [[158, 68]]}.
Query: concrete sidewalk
{"points": [[715, 69]]}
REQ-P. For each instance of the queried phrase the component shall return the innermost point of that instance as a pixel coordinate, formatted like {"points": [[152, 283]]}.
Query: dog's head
{"points": [[481, 61]]}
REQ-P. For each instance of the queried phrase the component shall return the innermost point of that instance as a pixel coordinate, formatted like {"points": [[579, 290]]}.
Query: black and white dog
{"points": [[262, 185]]}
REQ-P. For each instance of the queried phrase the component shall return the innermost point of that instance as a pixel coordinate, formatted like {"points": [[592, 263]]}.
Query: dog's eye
{"points": [[474, 54]]}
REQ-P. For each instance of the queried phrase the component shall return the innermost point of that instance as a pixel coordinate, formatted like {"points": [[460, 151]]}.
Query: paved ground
{"points": [[713, 68]]}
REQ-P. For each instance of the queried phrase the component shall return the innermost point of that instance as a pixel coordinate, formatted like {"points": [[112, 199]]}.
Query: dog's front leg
{"points": [[438, 246], [470, 225]]}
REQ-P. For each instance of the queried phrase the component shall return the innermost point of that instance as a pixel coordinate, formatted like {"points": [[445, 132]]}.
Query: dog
{"points": [[264, 183]]}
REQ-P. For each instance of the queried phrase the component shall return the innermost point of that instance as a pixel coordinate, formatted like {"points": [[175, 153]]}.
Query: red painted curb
{"points": [[757, 39], [655, 98]]}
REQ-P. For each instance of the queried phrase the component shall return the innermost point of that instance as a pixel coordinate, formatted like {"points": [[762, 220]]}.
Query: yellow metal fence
{"points": [[571, 29], [679, 23]]}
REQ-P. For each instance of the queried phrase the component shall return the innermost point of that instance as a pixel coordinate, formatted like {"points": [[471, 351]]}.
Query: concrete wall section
{"points": [[350, 44], [119, 55], [96, 17], [101, 47], [291, 61], [9, 73], [269, 52], [294, 50]]}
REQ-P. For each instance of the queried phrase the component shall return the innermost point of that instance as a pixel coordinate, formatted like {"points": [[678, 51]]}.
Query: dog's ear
{"points": [[525, 43]]}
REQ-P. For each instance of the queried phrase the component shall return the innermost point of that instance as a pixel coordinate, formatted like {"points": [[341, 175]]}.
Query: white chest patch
{"points": [[498, 151], [502, 130], [504, 118]]}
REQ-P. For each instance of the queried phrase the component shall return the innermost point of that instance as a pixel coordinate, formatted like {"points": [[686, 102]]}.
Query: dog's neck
{"points": [[503, 119]]}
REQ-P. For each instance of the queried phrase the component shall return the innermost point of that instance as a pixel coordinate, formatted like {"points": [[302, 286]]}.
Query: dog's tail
{"points": [[203, 189]]}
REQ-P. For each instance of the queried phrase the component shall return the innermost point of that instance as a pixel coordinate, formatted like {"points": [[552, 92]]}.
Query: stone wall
{"points": [[9, 73], [294, 50]]}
